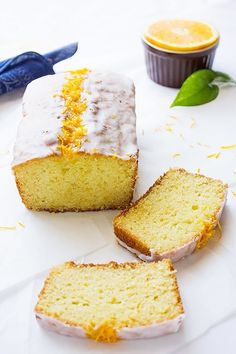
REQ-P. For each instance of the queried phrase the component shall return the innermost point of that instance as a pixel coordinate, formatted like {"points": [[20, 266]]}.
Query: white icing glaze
{"points": [[52, 324], [109, 117], [153, 330], [176, 254]]}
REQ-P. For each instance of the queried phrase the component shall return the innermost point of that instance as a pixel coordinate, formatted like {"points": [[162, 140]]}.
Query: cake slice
{"points": [[107, 302], [76, 143], [176, 215]]}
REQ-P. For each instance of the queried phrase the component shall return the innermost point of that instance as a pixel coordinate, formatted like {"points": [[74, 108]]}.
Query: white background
{"points": [[109, 38]]}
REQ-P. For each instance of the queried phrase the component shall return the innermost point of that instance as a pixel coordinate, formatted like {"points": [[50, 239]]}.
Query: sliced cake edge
{"points": [[129, 240], [127, 333]]}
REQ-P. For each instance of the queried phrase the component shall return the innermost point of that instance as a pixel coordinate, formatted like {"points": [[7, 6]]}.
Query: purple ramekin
{"points": [[170, 69]]}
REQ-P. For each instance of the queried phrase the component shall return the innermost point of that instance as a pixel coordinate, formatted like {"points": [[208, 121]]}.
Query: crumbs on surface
{"points": [[73, 129], [198, 170], [21, 224]]}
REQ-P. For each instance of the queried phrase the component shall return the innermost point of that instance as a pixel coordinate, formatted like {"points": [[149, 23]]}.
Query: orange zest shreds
{"points": [[215, 156], [73, 129], [207, 234], [176, 155], [168, 128], [21, 224], [198, 170], [103, 333], [7, 227], [224, 147]]}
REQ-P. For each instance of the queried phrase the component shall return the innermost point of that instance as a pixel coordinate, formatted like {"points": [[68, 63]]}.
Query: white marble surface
{"points": [[108, 34]]}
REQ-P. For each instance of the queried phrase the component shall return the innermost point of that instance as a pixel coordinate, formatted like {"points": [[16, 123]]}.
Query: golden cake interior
{"points": [[104, 298], [178, 208], [78, 182]]}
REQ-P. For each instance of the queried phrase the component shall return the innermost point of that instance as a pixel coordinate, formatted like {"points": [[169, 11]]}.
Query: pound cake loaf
{"points": [[113, 301], [176, 215], [76, 143]]}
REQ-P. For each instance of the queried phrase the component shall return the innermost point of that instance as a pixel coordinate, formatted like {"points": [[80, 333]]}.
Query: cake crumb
{"points": [[21, 224], [198, 170], [234, 193], [181, 136]]}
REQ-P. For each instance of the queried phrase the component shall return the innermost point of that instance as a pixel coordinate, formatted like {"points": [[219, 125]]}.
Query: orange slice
{"points": [[181, 35]]}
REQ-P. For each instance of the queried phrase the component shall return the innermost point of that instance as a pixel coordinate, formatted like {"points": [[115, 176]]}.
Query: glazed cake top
{"points": [[87, 111]]}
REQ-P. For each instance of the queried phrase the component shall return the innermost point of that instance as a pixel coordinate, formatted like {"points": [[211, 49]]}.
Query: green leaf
{"points": [[201, 87]]}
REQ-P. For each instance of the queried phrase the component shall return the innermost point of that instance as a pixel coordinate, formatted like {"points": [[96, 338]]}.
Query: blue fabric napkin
{"points": [[19, 71]]}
